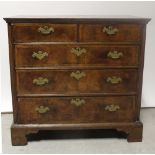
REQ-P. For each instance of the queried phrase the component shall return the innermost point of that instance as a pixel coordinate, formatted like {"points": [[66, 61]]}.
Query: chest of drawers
{"points": [[76, 73]]}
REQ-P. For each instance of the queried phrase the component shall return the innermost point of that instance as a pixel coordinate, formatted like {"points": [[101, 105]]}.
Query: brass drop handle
{"points": [[77, 102], [112, 108], [114, 54], [40, 81], [42, 109], [46, 30], [114, 80], [39, 55], [78, 51], [110, 30], [77, 75]]}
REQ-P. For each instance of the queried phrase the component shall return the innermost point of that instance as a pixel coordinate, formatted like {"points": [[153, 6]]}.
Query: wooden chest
{"points": [[76, 73]]}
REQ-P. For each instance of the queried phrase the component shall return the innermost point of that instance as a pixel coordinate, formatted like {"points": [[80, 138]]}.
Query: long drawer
{"points": [[76, 110], [39, 32], [110, 32], [46, 55], [76, 81]]}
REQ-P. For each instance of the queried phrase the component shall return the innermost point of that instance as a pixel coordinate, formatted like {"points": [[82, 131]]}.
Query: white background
{"points": [[141, 9]]}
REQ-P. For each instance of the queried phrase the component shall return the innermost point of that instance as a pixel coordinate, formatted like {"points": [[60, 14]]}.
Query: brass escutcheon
{"points": [[77, 75], [39, 55], [110, 30], [46, 30], [112, 108], [77, 102], [78, 51]]}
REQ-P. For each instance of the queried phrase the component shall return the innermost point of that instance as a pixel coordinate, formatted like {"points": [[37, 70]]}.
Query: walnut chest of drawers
{"points": [[76, 73]]}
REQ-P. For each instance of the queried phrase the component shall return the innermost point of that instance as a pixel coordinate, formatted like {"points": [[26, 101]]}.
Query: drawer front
{"points": [[85, 55], [108, 33], [44, 32], [76, 81], [76, 110]]}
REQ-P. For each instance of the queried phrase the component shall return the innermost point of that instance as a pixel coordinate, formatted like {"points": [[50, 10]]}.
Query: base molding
{"points": [[20, 131]]}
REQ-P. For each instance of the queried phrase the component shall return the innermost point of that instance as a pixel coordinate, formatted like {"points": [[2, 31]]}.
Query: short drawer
{"points": [[66, 55], [73, 82], [76, 110], [108, 32], [44, 32]]}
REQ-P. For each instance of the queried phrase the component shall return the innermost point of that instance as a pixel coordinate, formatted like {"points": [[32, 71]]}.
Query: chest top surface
{"points": [[78, 18]]}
